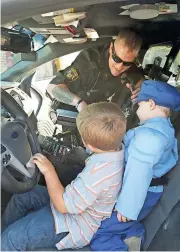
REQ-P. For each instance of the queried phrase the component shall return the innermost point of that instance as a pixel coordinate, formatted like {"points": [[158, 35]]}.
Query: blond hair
{"points": [[102, 125], [131, 39]]}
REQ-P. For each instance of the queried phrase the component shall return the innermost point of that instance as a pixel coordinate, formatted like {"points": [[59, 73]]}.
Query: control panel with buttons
{"points": [[5, 156]]}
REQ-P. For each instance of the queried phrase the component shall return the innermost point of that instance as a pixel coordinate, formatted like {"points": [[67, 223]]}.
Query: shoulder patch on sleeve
{"points": [[72, 74]]}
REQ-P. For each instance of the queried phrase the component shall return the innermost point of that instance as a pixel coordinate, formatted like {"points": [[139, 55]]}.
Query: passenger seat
{"points": [[163, 224]]}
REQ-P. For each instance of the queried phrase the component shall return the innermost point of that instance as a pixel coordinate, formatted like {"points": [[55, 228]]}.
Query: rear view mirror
{"points": [[15, 41]]}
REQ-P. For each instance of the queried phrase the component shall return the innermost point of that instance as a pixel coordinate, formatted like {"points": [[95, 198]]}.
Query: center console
{"points": [[55, 150], [66, 145], [66, 117], [59, 153]]}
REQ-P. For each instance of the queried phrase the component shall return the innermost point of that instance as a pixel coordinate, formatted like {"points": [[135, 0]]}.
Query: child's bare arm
{"points": [[54, 186]]}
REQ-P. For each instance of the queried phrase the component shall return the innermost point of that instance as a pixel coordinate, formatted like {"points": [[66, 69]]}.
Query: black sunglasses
{"points": [[119, 60]]}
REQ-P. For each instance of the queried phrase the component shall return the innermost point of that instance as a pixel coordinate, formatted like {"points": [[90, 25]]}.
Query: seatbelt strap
{"points": [[160, 181]]}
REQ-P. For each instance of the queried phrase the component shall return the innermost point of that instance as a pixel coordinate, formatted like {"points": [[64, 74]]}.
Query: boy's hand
{"points": [[122, 218], [42, 163]]}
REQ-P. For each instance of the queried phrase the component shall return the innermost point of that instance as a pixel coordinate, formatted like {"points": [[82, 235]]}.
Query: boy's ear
{"points": [[152, 104], [84, 142], [91, 148]]}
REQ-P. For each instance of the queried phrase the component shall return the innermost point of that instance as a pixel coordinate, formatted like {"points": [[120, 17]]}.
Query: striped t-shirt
{"points": [[89, 199]]}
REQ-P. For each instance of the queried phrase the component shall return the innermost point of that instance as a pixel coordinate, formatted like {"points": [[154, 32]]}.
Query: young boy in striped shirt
{"points": [[69, 217]]}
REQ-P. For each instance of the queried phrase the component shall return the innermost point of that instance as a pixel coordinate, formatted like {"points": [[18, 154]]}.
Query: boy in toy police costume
{"points": [[150, 152]]}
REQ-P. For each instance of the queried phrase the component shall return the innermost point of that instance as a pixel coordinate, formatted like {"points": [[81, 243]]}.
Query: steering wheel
{"points": [[18, 143]]}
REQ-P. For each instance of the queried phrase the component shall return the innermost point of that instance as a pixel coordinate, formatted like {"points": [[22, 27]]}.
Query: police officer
{"points": [[97, 74], [94, 76]]}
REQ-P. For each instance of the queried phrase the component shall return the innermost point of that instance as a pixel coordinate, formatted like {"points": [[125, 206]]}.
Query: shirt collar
{"points": [[104, 157], [156, 119]]}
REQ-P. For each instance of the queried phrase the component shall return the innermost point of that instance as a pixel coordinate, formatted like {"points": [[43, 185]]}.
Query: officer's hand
{"points": [[134, 92], [82, 105], [122, 218]]}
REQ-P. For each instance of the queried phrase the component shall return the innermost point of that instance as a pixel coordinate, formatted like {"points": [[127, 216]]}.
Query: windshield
{"points": [[49, 69]]}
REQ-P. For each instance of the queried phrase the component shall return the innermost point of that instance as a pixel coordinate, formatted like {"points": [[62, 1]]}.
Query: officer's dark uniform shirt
{"points": [[90, 78]]}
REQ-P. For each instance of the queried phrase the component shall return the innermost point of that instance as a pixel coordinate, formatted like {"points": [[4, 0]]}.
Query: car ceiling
{"points": [[103, 16]]}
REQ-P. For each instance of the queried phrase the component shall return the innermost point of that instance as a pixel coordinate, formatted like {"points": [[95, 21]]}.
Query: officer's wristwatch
{"points": [[78, 103]]}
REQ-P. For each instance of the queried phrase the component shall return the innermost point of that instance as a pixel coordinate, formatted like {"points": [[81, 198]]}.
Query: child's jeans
{"points": [[28, 222]]}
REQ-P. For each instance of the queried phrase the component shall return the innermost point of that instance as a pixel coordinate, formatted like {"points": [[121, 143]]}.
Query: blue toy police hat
{"points": [[162, 93]]}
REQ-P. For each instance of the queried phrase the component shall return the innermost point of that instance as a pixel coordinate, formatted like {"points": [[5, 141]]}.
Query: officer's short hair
{"points": [[102, 125], [131, 39]]}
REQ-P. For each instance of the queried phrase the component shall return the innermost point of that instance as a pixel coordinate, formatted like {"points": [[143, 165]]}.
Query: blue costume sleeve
{"points": [[145, 150]]}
